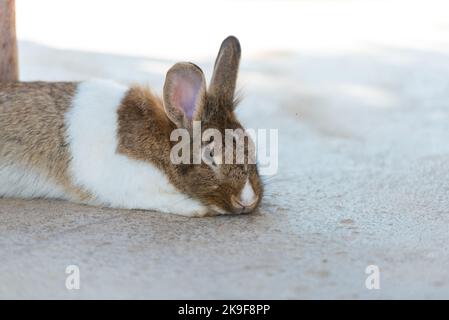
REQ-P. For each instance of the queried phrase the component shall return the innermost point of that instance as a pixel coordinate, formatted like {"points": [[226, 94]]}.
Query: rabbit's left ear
{"points": [[226, 68], [184, 93]]}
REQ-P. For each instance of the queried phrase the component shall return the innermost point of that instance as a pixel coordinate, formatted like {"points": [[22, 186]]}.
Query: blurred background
{"points": [[307, 58], [359, 91], [180, 30]]}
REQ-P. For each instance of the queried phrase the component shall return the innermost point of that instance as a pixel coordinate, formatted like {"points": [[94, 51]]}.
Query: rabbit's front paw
{"points": [[196, 212], [186, 207]]}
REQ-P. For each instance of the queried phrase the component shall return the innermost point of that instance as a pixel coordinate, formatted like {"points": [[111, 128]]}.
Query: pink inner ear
{"points": [[186, 88]]}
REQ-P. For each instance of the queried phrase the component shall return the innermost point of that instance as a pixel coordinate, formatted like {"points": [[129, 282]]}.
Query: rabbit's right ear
{"points": [[184, 93], [226, 69]]}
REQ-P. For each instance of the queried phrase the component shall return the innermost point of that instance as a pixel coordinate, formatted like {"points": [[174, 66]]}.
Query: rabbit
{"points": [[104, 144]]}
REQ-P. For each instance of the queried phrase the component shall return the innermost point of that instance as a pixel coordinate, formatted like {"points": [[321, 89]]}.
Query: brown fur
{"points": [[144, 129], [32, 131]]}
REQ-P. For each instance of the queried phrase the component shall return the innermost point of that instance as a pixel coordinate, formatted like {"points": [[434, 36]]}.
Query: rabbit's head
{"points": [[223, 181]]}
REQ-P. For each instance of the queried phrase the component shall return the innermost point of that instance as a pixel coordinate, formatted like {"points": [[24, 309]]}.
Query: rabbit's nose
{"points": [[246, 201], [243, 205]]}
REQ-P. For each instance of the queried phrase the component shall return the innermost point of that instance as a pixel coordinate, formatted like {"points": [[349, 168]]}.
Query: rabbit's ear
{"points": [[184, 93], [226, 68]]}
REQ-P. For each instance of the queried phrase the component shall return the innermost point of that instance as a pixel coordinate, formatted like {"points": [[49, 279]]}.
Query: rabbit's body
{"points": [[101, 143], [65, 143], [34, 155]]}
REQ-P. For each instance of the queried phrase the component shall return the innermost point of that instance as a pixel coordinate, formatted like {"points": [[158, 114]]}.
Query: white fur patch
{"points": [[20, 182], [247, 197], [114, 179]]}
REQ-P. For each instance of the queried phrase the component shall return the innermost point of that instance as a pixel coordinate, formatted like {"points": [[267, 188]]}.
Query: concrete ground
{"points": [[363, 180]]}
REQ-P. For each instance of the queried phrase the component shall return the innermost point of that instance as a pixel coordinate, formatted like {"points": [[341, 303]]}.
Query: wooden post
{"points": [[9, 69]]}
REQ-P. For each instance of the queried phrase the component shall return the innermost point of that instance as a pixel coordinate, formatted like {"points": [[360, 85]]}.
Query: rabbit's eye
{"points": [[211, 155], [208, 156]]}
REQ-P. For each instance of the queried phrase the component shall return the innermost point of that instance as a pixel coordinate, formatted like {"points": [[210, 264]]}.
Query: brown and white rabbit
{"points": [[100, 143]]}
